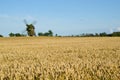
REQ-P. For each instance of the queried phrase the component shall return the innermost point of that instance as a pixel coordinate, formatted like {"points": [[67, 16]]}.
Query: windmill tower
{"points": [[30, 28]]}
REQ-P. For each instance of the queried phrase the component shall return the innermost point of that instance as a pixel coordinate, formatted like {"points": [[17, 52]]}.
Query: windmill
{"points": [[30, 28]]}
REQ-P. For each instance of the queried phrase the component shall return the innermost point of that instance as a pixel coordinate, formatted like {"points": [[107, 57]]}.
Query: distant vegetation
{"points": [[50, 33], [103, 34], [16, 35], [1, 35]]}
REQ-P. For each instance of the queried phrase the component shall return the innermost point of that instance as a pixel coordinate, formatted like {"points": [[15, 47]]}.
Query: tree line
{"points": [[50, 33], [103, 34]]}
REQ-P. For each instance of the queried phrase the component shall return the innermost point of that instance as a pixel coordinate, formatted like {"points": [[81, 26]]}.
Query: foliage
{"points": [[103, 34], [1, 35], [116, 34], [56, 35], [11, 34], [16, 35], [40, 34], [49, 33]]}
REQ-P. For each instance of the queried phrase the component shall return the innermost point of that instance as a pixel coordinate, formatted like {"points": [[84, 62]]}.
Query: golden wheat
{"points": [[60, 58]]}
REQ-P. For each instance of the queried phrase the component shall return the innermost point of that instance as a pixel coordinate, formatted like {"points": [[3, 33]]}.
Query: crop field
{"points": [[60, 58]]}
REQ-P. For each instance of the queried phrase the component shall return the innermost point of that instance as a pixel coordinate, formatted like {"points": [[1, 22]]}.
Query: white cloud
{"points": [[114, 29]]}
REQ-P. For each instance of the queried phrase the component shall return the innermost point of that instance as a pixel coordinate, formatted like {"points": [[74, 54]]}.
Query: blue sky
{"points": [[64, 17]]}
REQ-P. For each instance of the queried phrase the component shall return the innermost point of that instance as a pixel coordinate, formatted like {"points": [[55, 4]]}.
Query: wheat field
{"points": [[60, 58]]}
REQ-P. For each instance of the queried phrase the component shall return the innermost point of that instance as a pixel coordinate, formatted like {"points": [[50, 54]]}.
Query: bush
{"points": [[1, 35], [49, 33], [16, 35], [11, 34]]}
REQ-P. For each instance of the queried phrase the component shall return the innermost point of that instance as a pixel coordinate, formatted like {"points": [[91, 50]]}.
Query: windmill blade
{"points": [[25, 21], [24, 32], [34, 22]]}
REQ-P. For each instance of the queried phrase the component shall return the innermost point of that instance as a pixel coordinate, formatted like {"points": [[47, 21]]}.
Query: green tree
{"points": [[40, 34], [1, 35], [18, 35], [56, 35], [46, 34], [96, 34], [11, 34], [50, 33], [116, 34], [103, 34]]}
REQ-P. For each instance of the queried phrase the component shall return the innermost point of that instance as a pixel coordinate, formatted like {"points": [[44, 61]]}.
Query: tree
{"points": [[116, 34], [40, 34], [103, 34], [96, 34], [16, 35], [11, 34], [56, 35], [1, 35], [46, 34], [50, 33]]}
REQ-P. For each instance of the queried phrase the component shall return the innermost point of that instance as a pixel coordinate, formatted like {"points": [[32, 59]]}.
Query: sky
{"points": [[63, 17]]}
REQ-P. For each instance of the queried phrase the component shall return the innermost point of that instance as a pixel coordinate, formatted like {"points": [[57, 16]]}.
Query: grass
{"points": [[60, 58]]}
